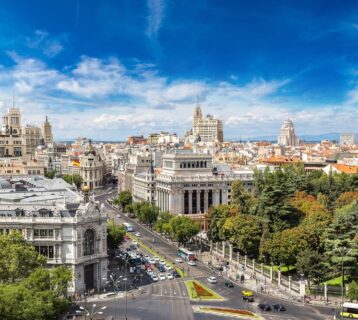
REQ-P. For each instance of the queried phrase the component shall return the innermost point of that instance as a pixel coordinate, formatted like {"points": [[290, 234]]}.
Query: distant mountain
{"points": [[306, 137]]}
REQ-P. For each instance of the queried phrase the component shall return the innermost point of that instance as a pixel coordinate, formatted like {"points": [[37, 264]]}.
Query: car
{"points": [[161, 262], [138, 234], [247, 296], [229, 284], [135, 243], [151, 261], [148, 266], [126, 238], [150, 272], [146, 258], [279, 307], [162, 276], [191, 263], [179, 260], [264, 306], [161, 268], [156, 258], [212, 280], [154, 278], [118, 215], [176, 274], [169, 276], [168, 267]]}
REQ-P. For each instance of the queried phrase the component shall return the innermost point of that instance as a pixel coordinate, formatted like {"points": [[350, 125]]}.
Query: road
{"points": [[168, 299]]}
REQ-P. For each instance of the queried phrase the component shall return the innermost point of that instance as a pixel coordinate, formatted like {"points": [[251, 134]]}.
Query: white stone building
{"points": [[287, 135], [348, 139], [91, 168], [54, 218]]}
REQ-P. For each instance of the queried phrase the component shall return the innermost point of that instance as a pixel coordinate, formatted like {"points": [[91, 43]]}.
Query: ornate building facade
{"points": [[91, 168], [287, 135]]}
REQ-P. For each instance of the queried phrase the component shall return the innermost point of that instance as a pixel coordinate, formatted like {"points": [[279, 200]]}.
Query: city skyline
{"points": [[125, 69]]}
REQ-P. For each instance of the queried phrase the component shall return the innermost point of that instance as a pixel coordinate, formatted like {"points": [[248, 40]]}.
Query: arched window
{"points": [[88, 243]]}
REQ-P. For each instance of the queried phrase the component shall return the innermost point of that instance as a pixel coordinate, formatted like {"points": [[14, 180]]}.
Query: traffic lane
{"points": [[292, 310]]}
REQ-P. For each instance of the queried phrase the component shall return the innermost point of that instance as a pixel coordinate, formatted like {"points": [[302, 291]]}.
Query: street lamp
{"points": [[114, 281], [301, 284], [93, 312], [343, 251]]}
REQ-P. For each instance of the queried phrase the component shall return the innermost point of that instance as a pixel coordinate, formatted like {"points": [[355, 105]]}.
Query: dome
{"points": [[85, 188]]}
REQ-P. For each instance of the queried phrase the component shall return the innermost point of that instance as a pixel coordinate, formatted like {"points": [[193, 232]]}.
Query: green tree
{"points": [[353, 291], [124, 199], [183, 229], [162, 222], [148, 213], [241, 197], [115, 235], [313, 265], [217, 217], [73, 178], [244, 232], [17, 258], [50, 174]]}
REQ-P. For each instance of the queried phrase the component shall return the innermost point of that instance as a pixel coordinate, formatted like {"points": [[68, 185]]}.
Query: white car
{"points": [[179, 260], [156, 258], [191, 263], [212, 280], [135, 243], [138, 234], [162, 263], [151, 261], [168, 267], [162, 276], [150, 272], [169, 276], [154, 277]]}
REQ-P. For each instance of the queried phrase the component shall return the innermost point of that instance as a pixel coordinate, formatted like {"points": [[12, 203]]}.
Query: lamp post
{"points": [[343, 251], [93, 312], [301, 284], [114, 280]]}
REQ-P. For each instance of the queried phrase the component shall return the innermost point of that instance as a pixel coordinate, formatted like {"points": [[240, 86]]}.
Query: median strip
{"points": [[198, 291]]}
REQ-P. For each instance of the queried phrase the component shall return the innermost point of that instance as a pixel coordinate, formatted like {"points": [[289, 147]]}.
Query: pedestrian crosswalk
{"points": [[170, 288]]}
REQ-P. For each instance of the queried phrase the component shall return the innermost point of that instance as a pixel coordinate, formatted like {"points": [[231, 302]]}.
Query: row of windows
{"points": [[13, 142], [46, 251], [194, 164], [7, 231], [43, 233], [9, 171]]}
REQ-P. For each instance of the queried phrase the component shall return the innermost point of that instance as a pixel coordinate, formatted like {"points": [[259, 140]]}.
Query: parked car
{"points": [[279, 307], [179, 260], [151, 261], [191, 263], [176, 274], [168, 267], [156, 258], [212, 280], [264, 306], [135, 243], [154, 278], [161, 268], [161, 262], [162, 276], [169, 276], [229, 284]]}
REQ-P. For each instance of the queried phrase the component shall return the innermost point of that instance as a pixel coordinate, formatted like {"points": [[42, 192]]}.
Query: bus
{"points": [[128, 227], [186, 254], [349, 310]]}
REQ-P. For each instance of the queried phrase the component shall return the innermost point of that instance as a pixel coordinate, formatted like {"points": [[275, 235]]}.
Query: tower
{"points": [[47, 132], [287, 135]]}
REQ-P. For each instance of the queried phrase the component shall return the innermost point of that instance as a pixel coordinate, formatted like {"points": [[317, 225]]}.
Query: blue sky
{"points": [[109, 69]]}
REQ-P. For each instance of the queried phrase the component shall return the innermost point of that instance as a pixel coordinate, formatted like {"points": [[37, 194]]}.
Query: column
{"points": [[238, 257], [245, 262], [217, 247], [223, 244], [230, 252], [262, 269], [216, 197], [303, 291], [211, 246], [289, 283], [279, 278], [206, 201], [253, 265], [170, 196], [271, 273], [198, 201], [190, 201]]}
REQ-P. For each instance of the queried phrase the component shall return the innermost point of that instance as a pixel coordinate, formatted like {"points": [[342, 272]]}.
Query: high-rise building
{"points": [[47, 132], [207, 129], [347, 139], [287, 135]]}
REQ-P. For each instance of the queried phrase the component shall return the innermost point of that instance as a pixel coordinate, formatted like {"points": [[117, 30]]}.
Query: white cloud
{"points": [[49, 46], [155, 16]]}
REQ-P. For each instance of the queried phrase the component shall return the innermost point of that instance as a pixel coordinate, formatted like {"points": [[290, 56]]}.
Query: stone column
{"points": [[217, 247], [223, 244], [198, 201], [289, 283], [206, 200], [253, 265], [245, 262], [230, 252], [190, 201], [279, 278], [271, 273], [262, 269], [238, 257], [303, 290], [211, 246]]}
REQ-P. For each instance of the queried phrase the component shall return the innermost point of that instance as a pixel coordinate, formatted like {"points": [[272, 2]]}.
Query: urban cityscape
{"points": [[142, 181]]}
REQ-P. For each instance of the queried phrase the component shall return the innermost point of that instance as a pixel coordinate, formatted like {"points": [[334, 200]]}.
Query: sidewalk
{"points": [[106, 296]]}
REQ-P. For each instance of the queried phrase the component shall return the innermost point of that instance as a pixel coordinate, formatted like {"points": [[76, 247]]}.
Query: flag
{"points": [[75, 163]]}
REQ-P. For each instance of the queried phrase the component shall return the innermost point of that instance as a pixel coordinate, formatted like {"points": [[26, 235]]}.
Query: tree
{"points": [[217, 217], [124, 199], [312, 264], [346, 198], [244, 232], [148, 213], [115, 235], [60, 278], [162, 223], [50, 174], [183, 229], [241, 197], [353, 291], [17, 258], [73, 178]]}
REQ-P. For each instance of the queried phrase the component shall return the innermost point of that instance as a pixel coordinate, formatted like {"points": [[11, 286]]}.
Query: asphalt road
{"points": [[168, 299]]}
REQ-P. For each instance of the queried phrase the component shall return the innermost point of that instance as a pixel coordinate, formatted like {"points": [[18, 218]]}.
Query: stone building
{"points": [[91, 168], [47, 132], [207, 129], [287, 135], [62, 227]]}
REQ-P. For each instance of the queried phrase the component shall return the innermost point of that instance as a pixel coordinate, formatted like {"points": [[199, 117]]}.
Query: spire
{"points": [[46, 119]]}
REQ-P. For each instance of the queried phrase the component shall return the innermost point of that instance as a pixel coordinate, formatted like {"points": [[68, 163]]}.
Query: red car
{"points": [[148, 266], [126, 238]]}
